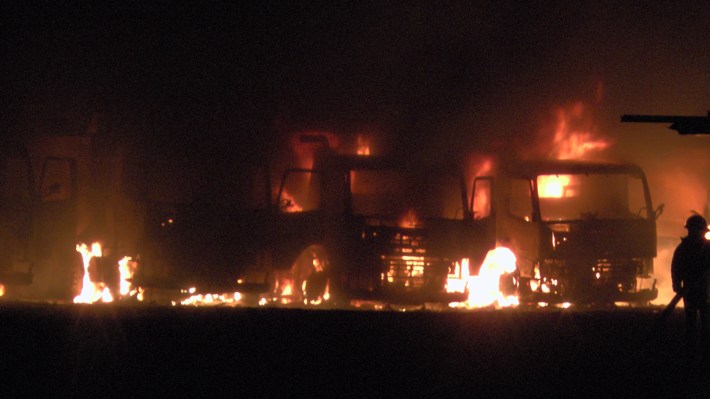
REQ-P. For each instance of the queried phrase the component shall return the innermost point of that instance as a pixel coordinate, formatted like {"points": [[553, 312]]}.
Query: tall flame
{"points": [[363, 146], [484, 289], [126, 267], [574, 133], [91, 292]]}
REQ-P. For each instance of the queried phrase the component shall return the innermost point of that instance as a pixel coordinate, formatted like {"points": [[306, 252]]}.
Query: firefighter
{"points": [[689, 271]]}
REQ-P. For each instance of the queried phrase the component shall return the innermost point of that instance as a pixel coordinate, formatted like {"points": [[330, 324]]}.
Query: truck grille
{"points": [[616, 272], [407, 265]]}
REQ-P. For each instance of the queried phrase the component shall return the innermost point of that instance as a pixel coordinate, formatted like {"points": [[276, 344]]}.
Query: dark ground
{"points": [[99, 351]]}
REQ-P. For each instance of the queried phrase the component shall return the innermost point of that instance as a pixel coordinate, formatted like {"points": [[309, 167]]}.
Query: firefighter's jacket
{"points": [[690, 268]]}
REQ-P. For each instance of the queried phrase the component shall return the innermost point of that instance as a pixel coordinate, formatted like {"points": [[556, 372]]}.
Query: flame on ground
{"points": [[484, 289], [210, 299], [98, 292]]}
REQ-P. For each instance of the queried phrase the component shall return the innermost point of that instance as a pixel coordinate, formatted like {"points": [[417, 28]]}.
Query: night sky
{"points": [[421, 77]]}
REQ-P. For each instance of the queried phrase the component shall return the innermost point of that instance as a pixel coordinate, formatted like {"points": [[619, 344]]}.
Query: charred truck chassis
{"points": [[578, 229]]}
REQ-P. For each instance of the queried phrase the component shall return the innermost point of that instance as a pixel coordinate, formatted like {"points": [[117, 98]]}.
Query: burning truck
{"points": [[582, 231], [62, 192], [349, 228], [378, 230], [355, 228], [346, 228]]}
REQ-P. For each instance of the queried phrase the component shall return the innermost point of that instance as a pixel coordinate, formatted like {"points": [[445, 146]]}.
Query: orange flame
{"points": [[409, 220], [363, 146], [553, 186], [91, 292], [289, 202], [484, 289], [574, 134], [126, 267], [210, 299]]}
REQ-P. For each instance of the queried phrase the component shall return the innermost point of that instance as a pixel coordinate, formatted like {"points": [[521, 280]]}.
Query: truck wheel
{"points": [[311, 274], [316, 284]]}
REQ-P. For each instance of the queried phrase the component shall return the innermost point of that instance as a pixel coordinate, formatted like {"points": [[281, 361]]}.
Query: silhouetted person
{"points": [[689, 271]]}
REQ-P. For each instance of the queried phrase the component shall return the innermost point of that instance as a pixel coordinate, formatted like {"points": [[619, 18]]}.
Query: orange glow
{"points": [[480, 166], [458, 280], [210, 299], [481, 203], [409, 220], [91, 292], [363, 146], [304, 151], [553, 186], [2, 290], [283, 289], [289, 204], [484, 289]]}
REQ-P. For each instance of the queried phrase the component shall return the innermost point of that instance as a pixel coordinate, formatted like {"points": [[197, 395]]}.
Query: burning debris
{"points": [[210, 299], [92, 291], [485, 288]]}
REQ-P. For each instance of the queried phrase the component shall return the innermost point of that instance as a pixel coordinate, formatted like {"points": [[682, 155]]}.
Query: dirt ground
{"points": [[152, 351]]}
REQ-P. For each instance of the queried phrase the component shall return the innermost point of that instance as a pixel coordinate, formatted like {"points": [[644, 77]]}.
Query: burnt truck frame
{"points": [[593, 250], [37, 225], [362, 250], [328, 246]]}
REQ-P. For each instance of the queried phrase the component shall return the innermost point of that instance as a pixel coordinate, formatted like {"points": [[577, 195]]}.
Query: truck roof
{"points": [[529, 169], [370, 162]]}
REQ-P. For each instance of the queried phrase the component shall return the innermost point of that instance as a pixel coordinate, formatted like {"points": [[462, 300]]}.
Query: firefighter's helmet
{"points": [[696, 223]]}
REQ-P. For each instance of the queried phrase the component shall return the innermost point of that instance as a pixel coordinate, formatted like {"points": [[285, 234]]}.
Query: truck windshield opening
{"points": [[394, 193], [591, 196]]}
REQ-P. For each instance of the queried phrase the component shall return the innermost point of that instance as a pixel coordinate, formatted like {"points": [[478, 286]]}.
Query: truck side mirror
{"points": [[658, 211]]}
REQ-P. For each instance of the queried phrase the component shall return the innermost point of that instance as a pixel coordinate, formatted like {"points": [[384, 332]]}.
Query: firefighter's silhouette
{"points": [[690, 273]]}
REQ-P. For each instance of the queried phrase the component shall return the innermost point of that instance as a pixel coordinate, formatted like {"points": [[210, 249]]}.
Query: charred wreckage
{"points": [[370, 228], [349, 228]]}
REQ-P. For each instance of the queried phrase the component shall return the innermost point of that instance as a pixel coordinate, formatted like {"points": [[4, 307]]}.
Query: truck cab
{"points": [[582, 231], [376, 229]]}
